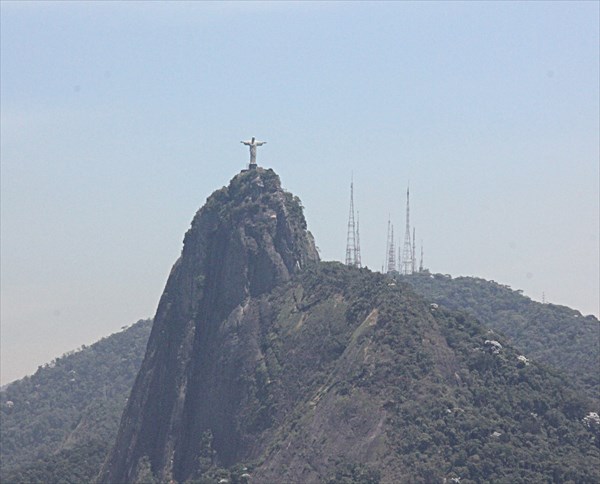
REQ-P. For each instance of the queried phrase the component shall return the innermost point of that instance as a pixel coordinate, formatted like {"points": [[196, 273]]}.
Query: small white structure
{"points": [[592, 419], [494, 346]]}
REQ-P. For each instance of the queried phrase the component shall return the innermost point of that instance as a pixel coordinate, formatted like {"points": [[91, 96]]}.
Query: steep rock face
{"points": [[248, 238]]}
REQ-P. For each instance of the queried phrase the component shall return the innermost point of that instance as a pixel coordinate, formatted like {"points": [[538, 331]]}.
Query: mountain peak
{"points": [[248, 237], [253, 229]]}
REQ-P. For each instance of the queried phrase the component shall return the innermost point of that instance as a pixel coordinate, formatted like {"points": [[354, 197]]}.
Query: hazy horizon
{"points": [[119, 119]]}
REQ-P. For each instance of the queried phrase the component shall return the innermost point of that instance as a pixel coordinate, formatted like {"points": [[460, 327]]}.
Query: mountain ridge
{"points": [[262, 357], [556, 335], [49, 467], [266, 364]]}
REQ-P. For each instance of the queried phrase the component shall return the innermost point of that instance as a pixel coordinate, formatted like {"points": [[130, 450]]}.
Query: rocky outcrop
{"points": [[249, 237], [267, 365]]}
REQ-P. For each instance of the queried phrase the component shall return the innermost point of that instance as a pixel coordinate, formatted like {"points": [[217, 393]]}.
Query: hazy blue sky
{"points": [[119, 119]]}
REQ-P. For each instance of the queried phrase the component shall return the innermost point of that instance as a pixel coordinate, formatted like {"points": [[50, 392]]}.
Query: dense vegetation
{"points": [[58, 424], [422, 391], [555, 335]]}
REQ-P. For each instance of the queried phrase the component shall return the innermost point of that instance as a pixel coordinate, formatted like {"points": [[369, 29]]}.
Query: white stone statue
{"points": [[253, 143]]}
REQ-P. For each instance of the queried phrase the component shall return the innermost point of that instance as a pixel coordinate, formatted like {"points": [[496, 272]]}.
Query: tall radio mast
{"points": [[357, 261], [352, 242], [414, 253], [407, 264], [391, 250]]}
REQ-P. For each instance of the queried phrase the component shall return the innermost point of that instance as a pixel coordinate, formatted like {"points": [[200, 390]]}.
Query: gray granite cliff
{"points": [[249, 237]]}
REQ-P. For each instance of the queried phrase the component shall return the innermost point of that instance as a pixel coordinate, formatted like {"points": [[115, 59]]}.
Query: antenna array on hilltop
{"points": [[406, 261]]}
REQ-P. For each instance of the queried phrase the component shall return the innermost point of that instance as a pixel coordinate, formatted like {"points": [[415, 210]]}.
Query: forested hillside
{"points": [[340, 375], [58, 424], [404, 392], [558, 336]]}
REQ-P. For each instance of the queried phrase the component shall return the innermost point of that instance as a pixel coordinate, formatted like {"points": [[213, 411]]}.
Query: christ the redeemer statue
{"points": [[253, 143]]}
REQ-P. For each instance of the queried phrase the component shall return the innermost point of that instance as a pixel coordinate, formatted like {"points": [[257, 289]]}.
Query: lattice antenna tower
{"points": [[357, 261], [385, 268], [421, 261], [407, 266], [414, 253], [351, 250], [391, 261]]}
